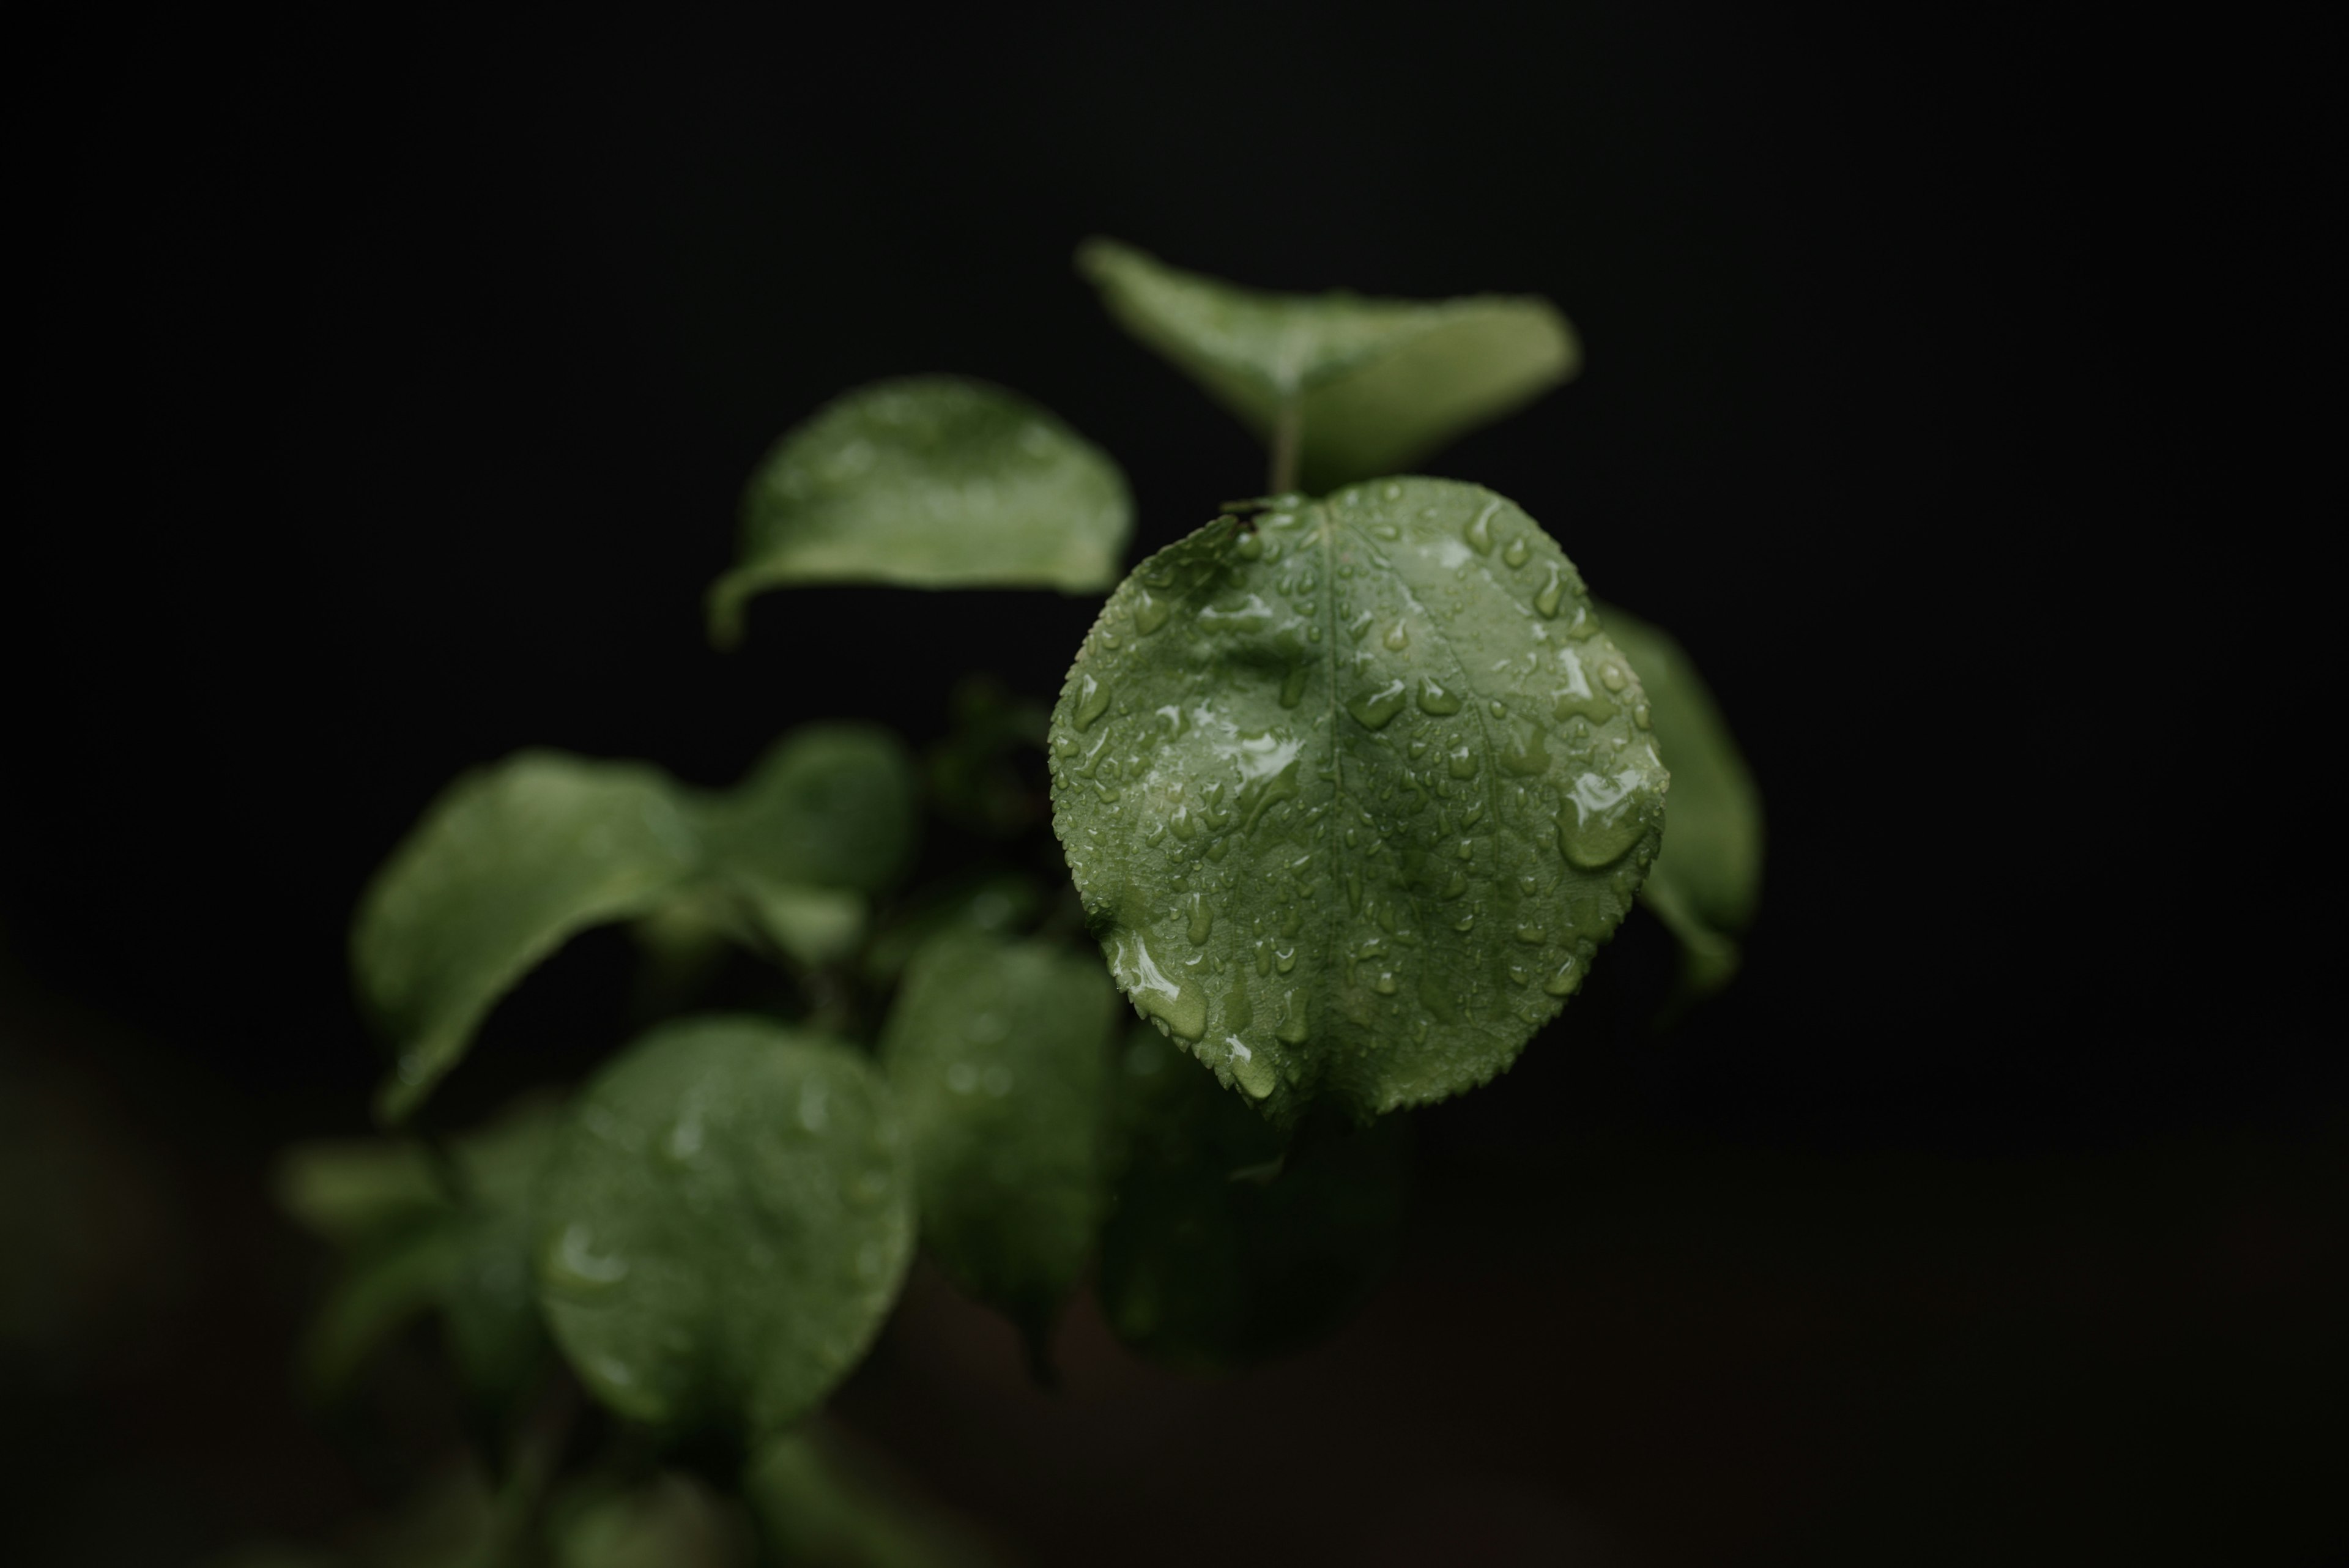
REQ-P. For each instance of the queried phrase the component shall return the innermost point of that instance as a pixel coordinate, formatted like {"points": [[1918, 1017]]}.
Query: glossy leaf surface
{"points": [[1707, 880], [1231, 1241], [1376, 384], [726, 1223], [995, 1049], [1353, 795], [929, 481], [506, 866]]}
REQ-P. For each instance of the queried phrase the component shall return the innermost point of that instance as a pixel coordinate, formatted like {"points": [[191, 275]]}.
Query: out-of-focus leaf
{"points": [[1707, 877], [378, 1294], [1230, 1243], [974, 778], [1373, 385], [670, 1521], [930, 482], [1352, 798], [996, 1051], [351, 1191], [506, 866], [490, 1302], [830, 805], [513, 860], [818, 1504], [725, 1224], [986, 902]]}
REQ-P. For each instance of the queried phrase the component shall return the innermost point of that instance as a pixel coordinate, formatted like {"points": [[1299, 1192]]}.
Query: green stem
{"points": [[1285, 434]]}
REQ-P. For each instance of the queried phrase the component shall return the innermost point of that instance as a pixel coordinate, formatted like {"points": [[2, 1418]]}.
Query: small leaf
{"points": [[671, 1520], [356, 1191], [725, 1224], [1708, 876], [382, 1290], [1352, 798], [994, 902], [489, 1302], [930, 482], [996, 1051], [506, 866], [830, 805], [1229, 1243], [818, 1503], [1375, 385]]}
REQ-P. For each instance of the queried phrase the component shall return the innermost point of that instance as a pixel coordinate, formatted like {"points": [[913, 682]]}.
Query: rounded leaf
{"points": [[725, 1224], [1374, 384], [931, 482], [1353, 793], [996, 1051]]}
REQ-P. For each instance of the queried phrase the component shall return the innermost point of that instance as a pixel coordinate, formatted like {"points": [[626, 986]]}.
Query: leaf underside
{"points": [[1353, 794], [931, 482], [725, 1224], [1376, 385], [1707, 880]]}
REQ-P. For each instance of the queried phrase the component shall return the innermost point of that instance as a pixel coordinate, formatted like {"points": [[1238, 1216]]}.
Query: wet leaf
{"points": [[1376, 384], [1707, 880], [930, 482], [996, 1051], [513, 860], [1353, 794], [1231, 1242], [506, 866], [725, 1224]]}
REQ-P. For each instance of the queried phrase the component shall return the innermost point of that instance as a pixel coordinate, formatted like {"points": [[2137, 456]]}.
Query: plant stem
{"points": [[1283, 478]]}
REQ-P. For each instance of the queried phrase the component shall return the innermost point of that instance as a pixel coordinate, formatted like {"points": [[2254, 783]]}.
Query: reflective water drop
{"points": [[1461, 763], [1386, 984], [1248, 547], [1525, 754], [1640, 715], [1399, 638], [1552, 593], [1479, 533], [1203, 920], [1150, 612], [1563, 980], [1435, 700], [1373, 710], [1516, 551], [1292, 1028], [1292, 685], [1532, 936], [574, 1264], [1092, 699], [1612, 676]]}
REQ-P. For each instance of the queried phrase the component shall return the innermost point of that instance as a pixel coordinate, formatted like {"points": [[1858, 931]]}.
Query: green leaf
{"points": [[1373, 385], [1230, 1243], [1352, 796], [356, 1191], [725, 1224], [1707, 880], [513, 860], [506, 866], [830, 805], [817, 1502], [973, 775], [489, 1302], [995, 901], [996, 1051], [930, 482], [382, 1291], [672, 1520]]}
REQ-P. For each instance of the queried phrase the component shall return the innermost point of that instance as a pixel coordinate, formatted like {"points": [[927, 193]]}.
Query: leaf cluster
{"points": [[1349, 786]]}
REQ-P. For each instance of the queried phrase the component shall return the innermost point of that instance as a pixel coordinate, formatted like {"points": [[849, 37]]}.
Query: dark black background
{"points": [[390, 383]]}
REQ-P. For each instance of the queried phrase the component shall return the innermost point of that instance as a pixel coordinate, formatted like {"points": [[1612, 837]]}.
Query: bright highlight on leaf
{"points": [[1708, 878], [1354, 791], [995, 1049], [932, 481], [513, 860], [725, 1225], [1364, 386], [1231, 1240]]}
